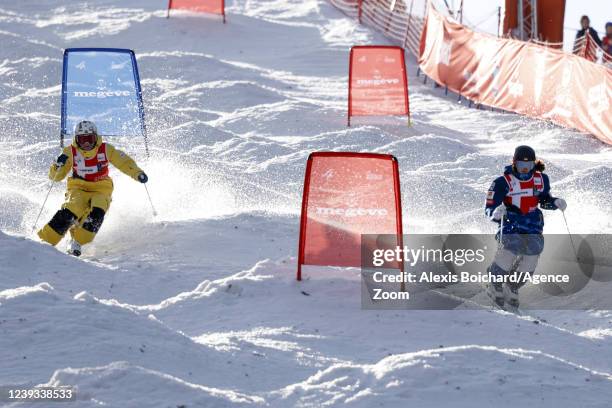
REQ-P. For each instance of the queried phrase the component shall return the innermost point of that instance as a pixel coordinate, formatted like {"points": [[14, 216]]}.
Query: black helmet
{"points": [[524, 153]]}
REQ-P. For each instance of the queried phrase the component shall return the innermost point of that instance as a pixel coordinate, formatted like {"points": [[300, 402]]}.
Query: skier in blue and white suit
{"points": [[512, 201]]}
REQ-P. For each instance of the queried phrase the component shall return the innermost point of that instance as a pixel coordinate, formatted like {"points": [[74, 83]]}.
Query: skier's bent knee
{"points": [[55, 230], [94, 220], [62, 221]]}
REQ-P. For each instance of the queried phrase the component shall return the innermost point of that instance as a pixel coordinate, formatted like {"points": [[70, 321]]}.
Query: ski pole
{"points": [[501, 231], [570, 237], [150, 201], [43, 205]]}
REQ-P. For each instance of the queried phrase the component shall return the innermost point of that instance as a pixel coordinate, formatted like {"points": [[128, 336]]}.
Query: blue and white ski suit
{"points": [[521, 228]]}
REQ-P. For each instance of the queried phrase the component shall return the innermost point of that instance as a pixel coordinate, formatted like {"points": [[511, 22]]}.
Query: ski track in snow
{"points": [[199, 306]]}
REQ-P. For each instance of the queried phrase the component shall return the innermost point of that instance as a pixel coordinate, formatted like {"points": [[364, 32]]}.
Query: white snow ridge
{"points": [[199, 306]]}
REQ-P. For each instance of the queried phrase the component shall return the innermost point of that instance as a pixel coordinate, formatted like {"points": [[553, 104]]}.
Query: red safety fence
{"points": [[346, 195], [513, 75], [198, 6], [378, 84], [586, 47], [396, 19]]}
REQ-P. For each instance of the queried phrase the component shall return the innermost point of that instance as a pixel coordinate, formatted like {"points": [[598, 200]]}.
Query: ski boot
{"points": [[511, 295], [496, 292], [75, 248]]}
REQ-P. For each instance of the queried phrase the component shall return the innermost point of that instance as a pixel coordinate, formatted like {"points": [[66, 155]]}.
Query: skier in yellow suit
{"points": [[89, 190]]}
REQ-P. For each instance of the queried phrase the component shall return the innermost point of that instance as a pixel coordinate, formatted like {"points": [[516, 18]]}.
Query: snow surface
{"points": [[199, 306]]}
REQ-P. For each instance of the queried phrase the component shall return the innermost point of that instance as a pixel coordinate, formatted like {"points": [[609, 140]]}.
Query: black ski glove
{"points": [[61, 160], [142, 177]]}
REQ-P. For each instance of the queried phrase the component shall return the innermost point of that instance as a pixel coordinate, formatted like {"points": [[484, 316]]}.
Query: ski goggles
{"points": [[86, 141], [524, 166]]}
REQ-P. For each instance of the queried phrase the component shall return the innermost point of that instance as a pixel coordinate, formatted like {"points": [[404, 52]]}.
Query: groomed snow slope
{"points": [[199, 306]]}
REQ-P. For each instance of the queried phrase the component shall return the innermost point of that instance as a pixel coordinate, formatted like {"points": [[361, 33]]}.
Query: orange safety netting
{"points": [[517, 76], [377, 81], [346, 195]]}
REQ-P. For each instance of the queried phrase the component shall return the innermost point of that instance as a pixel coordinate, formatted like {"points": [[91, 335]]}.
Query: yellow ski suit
{"points": [[86, 201]]}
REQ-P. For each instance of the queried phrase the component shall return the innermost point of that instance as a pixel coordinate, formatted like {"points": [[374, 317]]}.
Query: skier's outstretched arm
{"points": [[124, 163], [547, 201], [61, 166], [495, 196]]}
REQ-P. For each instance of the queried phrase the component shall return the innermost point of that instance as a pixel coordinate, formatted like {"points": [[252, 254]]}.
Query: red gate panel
{"points": [[346, 195], [378, 84], [200, 6]]}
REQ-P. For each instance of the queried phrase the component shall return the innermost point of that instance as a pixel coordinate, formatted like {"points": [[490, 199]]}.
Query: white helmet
{"points": [[86, 135], [85, 127]]}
